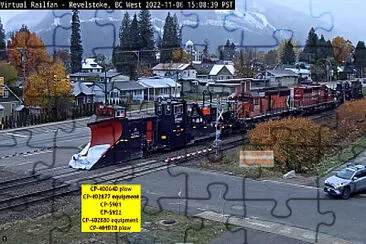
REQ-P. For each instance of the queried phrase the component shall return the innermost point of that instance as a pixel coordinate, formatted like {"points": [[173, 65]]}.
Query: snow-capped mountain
{"points": [[259, 26]]}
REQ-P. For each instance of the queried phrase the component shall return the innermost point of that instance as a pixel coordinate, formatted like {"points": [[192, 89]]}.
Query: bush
{"points": [[351, 120], [298, 143]]}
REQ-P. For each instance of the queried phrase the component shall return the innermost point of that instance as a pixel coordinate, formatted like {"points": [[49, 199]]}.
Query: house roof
{"points": [[282, 73], [125, 85], [12, 96], [158, 82], [218, 67], [80, 88], [100, 74], [203, 69], [89, 63], [172, 66], [299, 71]]}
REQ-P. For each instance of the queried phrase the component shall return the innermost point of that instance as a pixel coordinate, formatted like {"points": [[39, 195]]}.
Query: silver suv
{"points": [[347, 181]]}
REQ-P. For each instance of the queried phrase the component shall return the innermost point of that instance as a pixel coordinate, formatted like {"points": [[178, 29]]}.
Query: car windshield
{"points": [[345, 173]]}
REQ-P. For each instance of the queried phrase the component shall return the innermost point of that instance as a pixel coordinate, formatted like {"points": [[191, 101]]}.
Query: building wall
{"points": [[188, 73], [8, 108], [224, 74], [287, 81]]}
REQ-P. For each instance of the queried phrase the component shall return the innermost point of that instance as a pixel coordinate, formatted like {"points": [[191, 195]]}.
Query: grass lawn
{"points": [[345, 155], [65, 231], [136, 107], [229, 163]]}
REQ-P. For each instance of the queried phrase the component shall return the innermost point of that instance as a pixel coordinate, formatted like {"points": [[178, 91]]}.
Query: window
{"points": [[361, 174], [159, 110], [6, 94], [168, 109], [178, 109]]}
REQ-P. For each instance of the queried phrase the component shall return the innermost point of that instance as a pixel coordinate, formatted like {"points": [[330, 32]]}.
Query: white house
{"points": [[193, 52], [159, 87], [89, 65], [222, 72], [173, 69], [304, 74]]}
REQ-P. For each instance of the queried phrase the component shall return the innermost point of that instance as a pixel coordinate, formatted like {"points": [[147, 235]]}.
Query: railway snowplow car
{"points": [[115, 141]]}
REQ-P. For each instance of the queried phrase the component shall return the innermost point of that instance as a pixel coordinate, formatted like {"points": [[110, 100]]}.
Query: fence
{"points": [[24, 119]]}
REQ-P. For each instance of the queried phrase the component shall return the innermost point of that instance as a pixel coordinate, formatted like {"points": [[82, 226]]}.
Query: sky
{"points": [[348, 15]]}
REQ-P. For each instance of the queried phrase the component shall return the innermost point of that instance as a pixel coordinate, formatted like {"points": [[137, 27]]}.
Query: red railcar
{"points": [[259, 102], [109, 110], [311, 95]]}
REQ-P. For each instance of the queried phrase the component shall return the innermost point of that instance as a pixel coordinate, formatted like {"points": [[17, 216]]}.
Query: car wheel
{"points": [[346, 193]]}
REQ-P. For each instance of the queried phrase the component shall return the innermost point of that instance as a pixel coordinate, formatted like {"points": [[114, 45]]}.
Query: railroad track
{"points": [[61, 184], [60, 187]]}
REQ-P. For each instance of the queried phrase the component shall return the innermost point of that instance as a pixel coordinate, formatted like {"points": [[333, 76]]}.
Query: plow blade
{"points": [[104, 135]]}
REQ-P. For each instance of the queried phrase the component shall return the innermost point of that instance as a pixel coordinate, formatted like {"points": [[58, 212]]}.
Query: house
{"points": [[98, 76], [278, 78], [304, 74], [159, 87], [98, 92], [82, 93], [203, 70], [193, 52], [173, 69], [9, 101], [124, 91], [222, 72], [230, 86], [89, 65]]}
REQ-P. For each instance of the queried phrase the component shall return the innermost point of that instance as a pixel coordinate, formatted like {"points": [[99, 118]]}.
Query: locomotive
{"points": [[175, 123]]}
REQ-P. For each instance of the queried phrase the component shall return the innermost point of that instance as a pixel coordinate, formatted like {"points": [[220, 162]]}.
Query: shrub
{"points": [[297, 143]]}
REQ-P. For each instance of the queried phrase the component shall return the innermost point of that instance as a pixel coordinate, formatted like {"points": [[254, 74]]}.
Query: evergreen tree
{"points": [[232, 51], [3, 55], [288, 56], [360, 56], [321, 48], [309, 53], [177, 38], [76, 48], [147, 38], [170, 39], [329, 50], [205, 49], [121, 58], [135, 45]]}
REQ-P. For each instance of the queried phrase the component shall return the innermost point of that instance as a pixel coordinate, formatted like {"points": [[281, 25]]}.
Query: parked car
{"points": [[347, 181]]}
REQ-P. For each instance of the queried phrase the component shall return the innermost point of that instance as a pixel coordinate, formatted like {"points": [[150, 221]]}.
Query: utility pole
{"points": [[218, 130], [105, 81], [23, 62]]}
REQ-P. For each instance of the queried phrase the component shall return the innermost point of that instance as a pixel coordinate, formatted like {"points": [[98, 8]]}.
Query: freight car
{"points": [[175, 124]]}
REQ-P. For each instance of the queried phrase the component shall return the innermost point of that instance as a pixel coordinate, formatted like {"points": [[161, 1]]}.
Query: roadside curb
{"points": [[292, 232], [28, 152]]}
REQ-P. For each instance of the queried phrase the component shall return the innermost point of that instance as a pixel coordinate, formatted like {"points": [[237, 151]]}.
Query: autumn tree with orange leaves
{"points": [[180, 56], [35, 51], [49, 88], [342, 49]]}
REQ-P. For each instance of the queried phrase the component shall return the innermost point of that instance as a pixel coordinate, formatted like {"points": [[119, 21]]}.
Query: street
{"points": [[191, 191], [208, 191], [24, 146]]}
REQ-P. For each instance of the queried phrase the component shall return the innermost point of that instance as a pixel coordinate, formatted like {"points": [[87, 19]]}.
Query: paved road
{"points": [[263, 200], [68, 136]]}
